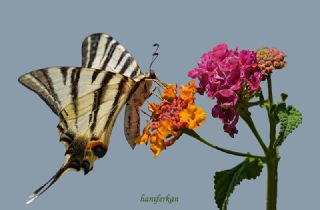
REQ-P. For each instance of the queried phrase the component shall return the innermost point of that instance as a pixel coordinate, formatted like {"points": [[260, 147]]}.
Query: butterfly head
{"points": [[152, 75]]}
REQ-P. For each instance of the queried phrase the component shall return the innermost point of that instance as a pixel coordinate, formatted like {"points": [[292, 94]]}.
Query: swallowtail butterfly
{"points": [[88, 99]]}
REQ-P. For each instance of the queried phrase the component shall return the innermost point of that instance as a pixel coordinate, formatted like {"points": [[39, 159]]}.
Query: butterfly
{"points": [[88, 99]]}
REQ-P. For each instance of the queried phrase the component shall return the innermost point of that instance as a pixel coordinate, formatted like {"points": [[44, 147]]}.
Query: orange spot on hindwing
{"points": [[98, 147]]}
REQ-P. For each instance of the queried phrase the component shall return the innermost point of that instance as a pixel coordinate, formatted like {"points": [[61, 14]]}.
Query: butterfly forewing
{"points": [[83, 105]]}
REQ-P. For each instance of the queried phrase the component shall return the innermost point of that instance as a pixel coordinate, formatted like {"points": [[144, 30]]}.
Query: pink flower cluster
{"points": [[269, 59], [228, 76]]}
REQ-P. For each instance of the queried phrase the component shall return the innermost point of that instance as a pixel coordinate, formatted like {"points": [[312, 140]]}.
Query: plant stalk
{"points": [[195, 135], [273, 155], [272, 181], [272, 121], [247, 118]]}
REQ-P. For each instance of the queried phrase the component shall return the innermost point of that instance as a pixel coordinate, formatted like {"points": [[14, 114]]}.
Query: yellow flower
{"points": [[187, 91], [169, 92], [157, 145], [155, 109], [164, 129], [193, 116], [146, 134]]}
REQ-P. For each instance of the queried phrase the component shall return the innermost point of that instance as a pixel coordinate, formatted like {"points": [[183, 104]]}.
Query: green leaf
{"points": [[225, 181], [277, 108], [289, 118]]}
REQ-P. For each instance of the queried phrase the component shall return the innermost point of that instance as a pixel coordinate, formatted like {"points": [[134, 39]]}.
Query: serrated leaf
{"points": [[289, 120], [225, 181]]}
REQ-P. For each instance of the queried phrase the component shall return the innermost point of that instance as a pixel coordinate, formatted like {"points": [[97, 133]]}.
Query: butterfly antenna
{"points": [[154, 57], [156, 94], [48, 184], [158, 89], [146, 113]]}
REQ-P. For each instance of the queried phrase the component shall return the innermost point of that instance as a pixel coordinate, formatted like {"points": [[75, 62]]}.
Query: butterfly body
{"points": [[88, 99]]}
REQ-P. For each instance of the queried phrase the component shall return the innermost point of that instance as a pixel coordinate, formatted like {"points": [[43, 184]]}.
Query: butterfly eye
{"points": [[75, 164], [86, 166], [99, 151]]}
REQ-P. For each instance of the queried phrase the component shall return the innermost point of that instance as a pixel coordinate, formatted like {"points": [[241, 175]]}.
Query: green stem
{"points": [[195, 135], [255, 103], [273, 155], [270, 97], [247, 118], [272, 122], [272, 181]]}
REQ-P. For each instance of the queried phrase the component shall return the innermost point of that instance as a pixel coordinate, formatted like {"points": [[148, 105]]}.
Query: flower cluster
{"points": [[173, 114], [269, 59], [231, 76]]}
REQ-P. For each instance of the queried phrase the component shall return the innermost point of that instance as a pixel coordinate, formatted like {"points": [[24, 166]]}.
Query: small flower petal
{"points": [[146, 134], [187, 91], [193, 116], [169, 92]]}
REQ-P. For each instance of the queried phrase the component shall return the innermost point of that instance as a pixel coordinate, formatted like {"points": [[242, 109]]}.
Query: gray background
{"points": [[36, 34]]}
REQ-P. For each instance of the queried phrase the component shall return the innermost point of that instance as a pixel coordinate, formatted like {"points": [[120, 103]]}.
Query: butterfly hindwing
{"points": [[101, 51], [139, 95], [132, 124]]}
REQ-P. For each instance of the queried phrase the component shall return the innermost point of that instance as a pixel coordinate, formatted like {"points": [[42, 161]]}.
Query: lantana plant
{"points": [[233, 78]]}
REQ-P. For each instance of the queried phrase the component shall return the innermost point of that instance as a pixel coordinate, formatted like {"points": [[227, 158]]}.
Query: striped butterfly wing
{"points": [[86, 100], [101, 51]]}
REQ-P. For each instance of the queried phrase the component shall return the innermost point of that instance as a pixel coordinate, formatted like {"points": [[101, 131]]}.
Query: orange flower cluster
{"points": [[173, 114]]}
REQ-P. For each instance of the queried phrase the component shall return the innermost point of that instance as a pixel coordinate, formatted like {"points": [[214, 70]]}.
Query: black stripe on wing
{"points": [[97, 101], [88, 50], [110, 54], [51, 90], [43, 95], [40, 83], [75, 76], [123, 54], [134, 72], [126, 65], [60, 86], [64, 73], [116, 104]]}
